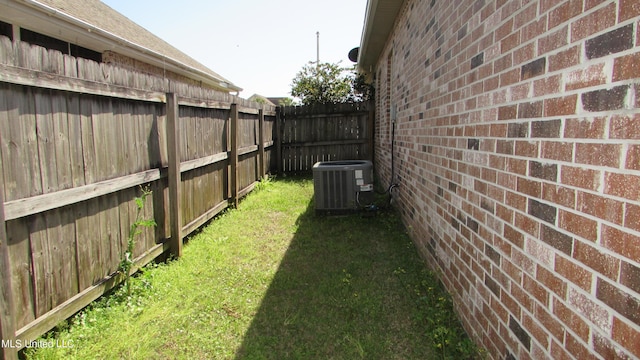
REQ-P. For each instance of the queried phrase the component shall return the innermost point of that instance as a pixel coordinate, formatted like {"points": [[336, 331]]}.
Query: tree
{"points": [[327, 83], [260, 100], [285, 101], [362, 91]]}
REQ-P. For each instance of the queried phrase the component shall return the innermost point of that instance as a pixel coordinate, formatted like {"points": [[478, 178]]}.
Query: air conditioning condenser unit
{"points": [[342, 185]]}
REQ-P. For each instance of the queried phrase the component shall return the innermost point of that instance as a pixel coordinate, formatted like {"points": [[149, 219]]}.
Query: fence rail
{"points": [[78, 139]]}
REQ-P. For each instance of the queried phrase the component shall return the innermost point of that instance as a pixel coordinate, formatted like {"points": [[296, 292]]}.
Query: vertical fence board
{"points": [[233, 160], [111, 129], [21, 271], [61, 140], [153, 136], [185, 140], [261, 157], [28, 159], [70, 66], [186, 189], [113, 240], [7, 54], [128, 211], [88, 143], [302, 136], [12, 143], [129, 138], [83, 224], [40, 264], [118, 141], [101, 249], [207, 133], [199, 133], [98, 140], [75, 139], [61, 242], [147, 140], [173, 150], [146, 240], [136, 138], [278, 139], [194, 137], [160, 199], [7, 308]]}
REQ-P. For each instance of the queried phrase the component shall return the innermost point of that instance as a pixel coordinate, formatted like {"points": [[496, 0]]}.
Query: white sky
{"points": [[259, 45]]}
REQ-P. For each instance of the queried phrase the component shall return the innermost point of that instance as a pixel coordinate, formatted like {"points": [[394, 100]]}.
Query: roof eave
{"points": [[378, 24]]}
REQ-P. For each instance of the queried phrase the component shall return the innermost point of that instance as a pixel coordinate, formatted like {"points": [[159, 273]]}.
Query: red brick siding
{"points": [[518, 163]]}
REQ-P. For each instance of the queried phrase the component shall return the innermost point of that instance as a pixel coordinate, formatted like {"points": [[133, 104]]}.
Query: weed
{"points": [[127, 258], [443, 328], [264, 182]]}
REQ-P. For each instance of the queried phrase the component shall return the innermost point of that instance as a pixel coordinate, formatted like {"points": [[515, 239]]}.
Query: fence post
{"points": [[233, 159], [371, 124], [279, 139], [261, 166], [173, 151]]}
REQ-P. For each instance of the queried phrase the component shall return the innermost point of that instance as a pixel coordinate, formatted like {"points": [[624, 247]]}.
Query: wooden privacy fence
{"points": [[77, 140], [309, 134]]}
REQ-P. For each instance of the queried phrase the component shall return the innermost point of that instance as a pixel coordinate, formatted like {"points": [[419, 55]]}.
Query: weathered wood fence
{"points": [[77, 140], [309, 134]]}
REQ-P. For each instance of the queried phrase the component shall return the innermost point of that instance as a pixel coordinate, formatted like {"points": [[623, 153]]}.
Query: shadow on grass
{"points": [[345, 289]]}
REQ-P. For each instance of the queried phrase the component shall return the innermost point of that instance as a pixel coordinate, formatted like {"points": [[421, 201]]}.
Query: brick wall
{"points": [[517, 152]]}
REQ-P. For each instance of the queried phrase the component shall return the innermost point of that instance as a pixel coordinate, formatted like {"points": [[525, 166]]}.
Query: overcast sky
{"points": [[258, 45]]}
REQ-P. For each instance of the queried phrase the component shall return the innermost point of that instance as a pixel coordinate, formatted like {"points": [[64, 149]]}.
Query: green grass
{"points": [[271, 280]]}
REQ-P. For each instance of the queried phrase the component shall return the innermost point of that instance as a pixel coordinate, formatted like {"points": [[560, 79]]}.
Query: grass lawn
{"points": [[271, 280]]}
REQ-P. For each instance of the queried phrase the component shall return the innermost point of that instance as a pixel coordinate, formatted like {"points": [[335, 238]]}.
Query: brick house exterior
{"points": [[512, 128]]}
